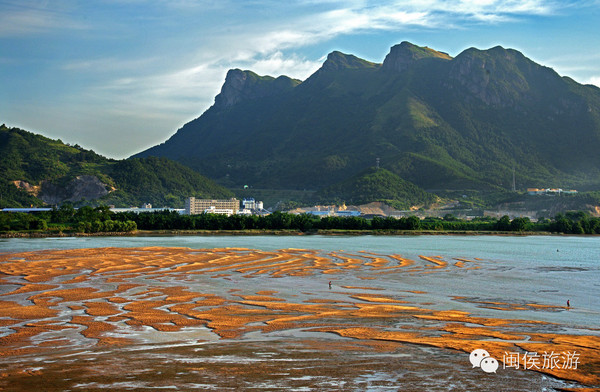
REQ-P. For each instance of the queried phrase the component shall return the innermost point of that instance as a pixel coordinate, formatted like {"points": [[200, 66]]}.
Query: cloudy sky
{"points": [[118, 76]]}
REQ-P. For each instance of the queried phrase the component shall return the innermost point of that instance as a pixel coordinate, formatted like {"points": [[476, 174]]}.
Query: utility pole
{"points": [[377, 163], [514, 184]]}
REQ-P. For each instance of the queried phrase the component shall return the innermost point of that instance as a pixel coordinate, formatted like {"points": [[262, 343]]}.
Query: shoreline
{"points": [[208, 233]]}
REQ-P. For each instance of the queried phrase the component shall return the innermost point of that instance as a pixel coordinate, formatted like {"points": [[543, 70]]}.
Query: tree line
{"points": [[66, 219], [101, 219]]}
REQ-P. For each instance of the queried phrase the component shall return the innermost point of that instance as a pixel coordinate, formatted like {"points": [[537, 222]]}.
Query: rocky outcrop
{"points": [[79, 188], [484, 76], [502, 77], [31, 189]]}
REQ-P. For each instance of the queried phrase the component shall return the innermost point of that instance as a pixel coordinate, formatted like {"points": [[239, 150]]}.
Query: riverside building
{"points": [[195, 206]]}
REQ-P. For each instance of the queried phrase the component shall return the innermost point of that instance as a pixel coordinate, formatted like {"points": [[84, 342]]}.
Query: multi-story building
{"points": [[195, 206], [252, 204]]}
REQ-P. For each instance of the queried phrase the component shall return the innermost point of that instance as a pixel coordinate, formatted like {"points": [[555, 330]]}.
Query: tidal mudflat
{"points": [[237, 318]]}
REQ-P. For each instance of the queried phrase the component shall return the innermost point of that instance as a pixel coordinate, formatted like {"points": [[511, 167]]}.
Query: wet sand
{"points": [[81, 320]]}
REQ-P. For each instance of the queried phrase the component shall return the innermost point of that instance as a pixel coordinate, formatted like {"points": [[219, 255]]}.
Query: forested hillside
{"points": [[36, 170]]}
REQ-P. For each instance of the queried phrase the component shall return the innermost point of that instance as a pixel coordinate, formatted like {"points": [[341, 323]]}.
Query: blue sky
{"points": [[118, 76]]}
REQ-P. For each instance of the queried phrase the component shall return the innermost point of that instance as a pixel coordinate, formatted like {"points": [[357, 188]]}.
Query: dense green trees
{"points": [[575, 223], [101, 219], [570, 223], [66, 218], [30, 160], [159, 181], [19, 221], [109, 226], [377, 184]]}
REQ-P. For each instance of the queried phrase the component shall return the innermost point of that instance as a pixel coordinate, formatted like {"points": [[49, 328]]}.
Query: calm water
{"points": [[517, 269], [535, 248]]}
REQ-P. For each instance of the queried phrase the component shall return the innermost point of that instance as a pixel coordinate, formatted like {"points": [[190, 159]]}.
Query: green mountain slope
{"points": [[35, 170], [436, 121], [160, 181], [377, 185]]}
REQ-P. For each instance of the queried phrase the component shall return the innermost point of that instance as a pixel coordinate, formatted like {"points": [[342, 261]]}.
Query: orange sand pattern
{"points": [[72, 299]]}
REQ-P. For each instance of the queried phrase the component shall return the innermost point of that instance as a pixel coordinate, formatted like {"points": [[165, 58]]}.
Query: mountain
{"points": [[432, 120], [35, 170], [377, 185]]}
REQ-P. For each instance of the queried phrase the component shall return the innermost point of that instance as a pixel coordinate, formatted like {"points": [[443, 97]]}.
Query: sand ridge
{"points": [[88, 297]]}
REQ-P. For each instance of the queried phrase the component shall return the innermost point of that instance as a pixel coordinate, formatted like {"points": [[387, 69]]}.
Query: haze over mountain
{"points": [[436, 121]]}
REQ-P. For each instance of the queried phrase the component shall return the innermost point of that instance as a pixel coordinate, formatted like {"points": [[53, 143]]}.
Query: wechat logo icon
{"points": [[482, 359]]}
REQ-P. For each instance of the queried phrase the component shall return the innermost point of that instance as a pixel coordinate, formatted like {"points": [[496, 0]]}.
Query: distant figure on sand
{"points": [[330, 285], [568, 303]]}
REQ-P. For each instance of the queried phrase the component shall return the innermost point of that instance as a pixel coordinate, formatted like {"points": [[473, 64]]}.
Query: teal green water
{"points": [[525, 247]]}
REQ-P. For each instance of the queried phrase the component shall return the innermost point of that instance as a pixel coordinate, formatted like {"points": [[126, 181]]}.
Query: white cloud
{"points": [[478, 7], [349, 20], [595, 80], [278, 64], [582, 67], [344, 17], [109, 64], [26, 17], [187, 90], [532, 7]]}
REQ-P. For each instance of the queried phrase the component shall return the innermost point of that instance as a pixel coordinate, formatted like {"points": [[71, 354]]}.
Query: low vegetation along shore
{"points": [[101, 221], [149, 233]]}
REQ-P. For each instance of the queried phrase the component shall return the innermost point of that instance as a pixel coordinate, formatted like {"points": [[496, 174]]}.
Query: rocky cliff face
{"points": [[79, 188], [502, 77]]}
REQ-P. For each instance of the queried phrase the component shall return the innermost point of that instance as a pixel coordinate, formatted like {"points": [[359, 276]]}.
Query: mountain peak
{"points": [[439, 123], [236, 82], [499, 76], [338, 60], [401, 56], [242, 85]]}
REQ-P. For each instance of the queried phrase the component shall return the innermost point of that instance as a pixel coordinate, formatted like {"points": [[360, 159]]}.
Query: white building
{"points": [[219, 211], [551, 191], [252, 205], [195, 206]]}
